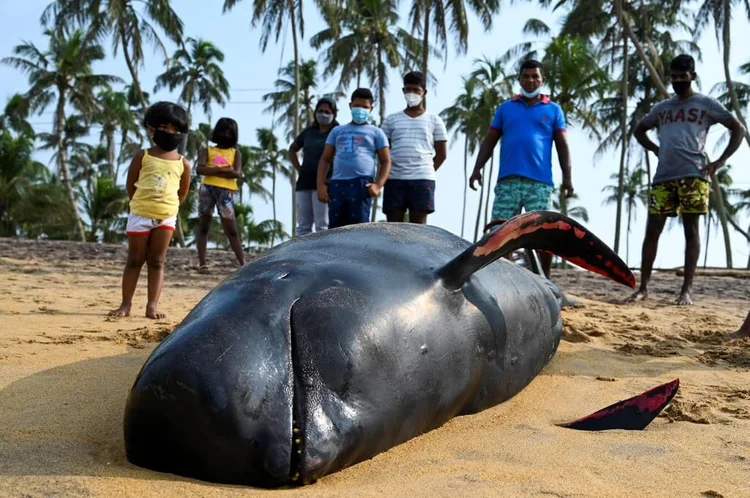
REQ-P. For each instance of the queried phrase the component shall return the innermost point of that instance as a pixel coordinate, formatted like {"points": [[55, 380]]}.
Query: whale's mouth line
{"points": [[295, 461]]}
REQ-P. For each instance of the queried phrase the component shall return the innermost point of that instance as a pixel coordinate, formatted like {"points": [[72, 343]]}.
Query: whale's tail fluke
{"points": [[631, 414], [541, 230]]}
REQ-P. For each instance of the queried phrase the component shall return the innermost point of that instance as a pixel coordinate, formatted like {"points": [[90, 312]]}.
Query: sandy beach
{"points": [[66, 367]]}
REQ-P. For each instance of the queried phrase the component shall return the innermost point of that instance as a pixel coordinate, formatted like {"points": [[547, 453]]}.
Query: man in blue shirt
{"points": [[353, 147], [528, 124]]}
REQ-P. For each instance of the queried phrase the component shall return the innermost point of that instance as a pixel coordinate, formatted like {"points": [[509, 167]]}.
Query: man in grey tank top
{"points": [[680, 184]]}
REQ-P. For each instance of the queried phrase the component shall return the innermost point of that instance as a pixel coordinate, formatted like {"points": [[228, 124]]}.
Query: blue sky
{"points": [[251, 74]]}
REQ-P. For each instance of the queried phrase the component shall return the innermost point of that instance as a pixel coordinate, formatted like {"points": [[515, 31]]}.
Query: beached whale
{"points": [[336, 346]]}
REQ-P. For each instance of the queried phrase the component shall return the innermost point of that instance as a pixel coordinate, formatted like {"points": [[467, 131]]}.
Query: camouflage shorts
{"points": [[514, 192], [684, 196]]}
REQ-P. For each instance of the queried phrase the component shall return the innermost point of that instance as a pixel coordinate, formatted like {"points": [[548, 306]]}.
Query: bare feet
{"points": [[639, 295], [683, 299], [153, 312], [740, 334], [123, 310]]}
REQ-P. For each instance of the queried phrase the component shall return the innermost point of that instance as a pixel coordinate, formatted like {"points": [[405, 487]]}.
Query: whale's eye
{"points": [[283, 275]]}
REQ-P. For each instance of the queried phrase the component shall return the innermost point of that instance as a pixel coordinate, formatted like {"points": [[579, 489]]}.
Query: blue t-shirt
{"points": [[356, 147], [526, 141]]}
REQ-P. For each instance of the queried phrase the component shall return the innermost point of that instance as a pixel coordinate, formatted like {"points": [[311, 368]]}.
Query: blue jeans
{"points": [[350, 202]]}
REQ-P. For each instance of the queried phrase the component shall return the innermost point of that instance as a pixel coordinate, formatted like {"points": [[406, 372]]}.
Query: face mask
{"points": [[323, 118], [168, 141], [360, 115], [412, 99], [224, 142], [680, 87], [531, 95]]}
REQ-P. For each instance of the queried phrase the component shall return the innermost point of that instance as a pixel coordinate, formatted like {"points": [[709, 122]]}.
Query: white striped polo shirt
{"points": [[413, 144]]}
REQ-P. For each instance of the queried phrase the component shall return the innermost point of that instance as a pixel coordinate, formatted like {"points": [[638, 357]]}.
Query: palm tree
{"points": [[15, 116], [113, 114], [273, 14], [634, 192], [267, 154], [18, 172], [62, 72], [254, 172], [283, 99], [720, 11], [424, 12], [263, 233], [196, 69], [105, 203], [462, 117], [129, 28]]}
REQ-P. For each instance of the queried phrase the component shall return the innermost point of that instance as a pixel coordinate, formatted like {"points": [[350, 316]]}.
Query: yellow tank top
{"points": [[157, 188], [218, 158]]}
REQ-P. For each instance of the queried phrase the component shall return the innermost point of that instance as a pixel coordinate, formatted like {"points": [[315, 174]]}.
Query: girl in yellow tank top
{"points": [[158, 182], [220, 167]]}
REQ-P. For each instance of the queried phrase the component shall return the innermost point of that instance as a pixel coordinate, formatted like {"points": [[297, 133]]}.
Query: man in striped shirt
{"points": [[418, 147]]}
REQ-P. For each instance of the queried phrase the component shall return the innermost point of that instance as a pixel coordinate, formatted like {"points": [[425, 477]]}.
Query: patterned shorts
{"points": [[409, 195], [210, 196], [514, 192], [684, 196]]}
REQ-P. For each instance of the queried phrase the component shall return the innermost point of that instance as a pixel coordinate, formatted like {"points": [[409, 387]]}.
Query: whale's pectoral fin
{"points": [[632, 414], [544, 231]]}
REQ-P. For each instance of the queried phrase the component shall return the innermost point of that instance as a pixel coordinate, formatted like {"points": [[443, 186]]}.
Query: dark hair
{"points": [[532, 64], [683, 62], [330, 103], [363, 93], [224, 125], [415, 78], [167, 113]]}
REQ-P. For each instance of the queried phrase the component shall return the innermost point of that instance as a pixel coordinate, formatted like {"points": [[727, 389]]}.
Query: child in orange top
{"points": [[158, 182], [220, 167]]}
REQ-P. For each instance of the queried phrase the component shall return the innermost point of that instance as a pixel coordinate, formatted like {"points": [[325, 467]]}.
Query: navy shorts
{"points": [[350, 202], [409, 195]]}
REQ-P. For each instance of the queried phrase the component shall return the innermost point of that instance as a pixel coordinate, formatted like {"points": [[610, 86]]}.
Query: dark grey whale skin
{"points": [[349, 336]]}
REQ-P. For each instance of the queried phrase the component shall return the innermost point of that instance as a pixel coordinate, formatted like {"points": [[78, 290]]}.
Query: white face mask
{"points": [[412, 99], [531, 95]]}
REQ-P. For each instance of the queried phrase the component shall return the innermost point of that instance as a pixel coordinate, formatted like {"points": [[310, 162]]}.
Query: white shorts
{"points": [[140, 225]]}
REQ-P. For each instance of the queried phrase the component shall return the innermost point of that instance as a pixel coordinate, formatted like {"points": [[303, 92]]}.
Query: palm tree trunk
{"points": [[624, 133], [720, 209], [273, 200], [381, 95], [708, 232], [62, 161], [110, 140], [426, 44], [727, 42], [627, 236], [293, 175], [625, 24], [133, 71], [466, 182]]}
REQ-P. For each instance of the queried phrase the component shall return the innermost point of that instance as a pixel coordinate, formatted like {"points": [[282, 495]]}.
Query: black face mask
{"points": [[680, 87], [168, 141], [224, 142]]}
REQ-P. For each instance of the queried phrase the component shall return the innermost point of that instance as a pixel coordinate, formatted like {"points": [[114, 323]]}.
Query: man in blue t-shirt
{"points": [[353, 147], [528, 124]]}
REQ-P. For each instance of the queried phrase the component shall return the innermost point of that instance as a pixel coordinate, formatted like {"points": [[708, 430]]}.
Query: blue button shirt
{"points": [[526, 142], [356, 146]]}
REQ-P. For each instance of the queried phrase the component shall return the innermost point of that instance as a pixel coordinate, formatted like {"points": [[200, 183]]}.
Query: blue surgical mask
{"points": [[531, 95], [360, 115]]}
